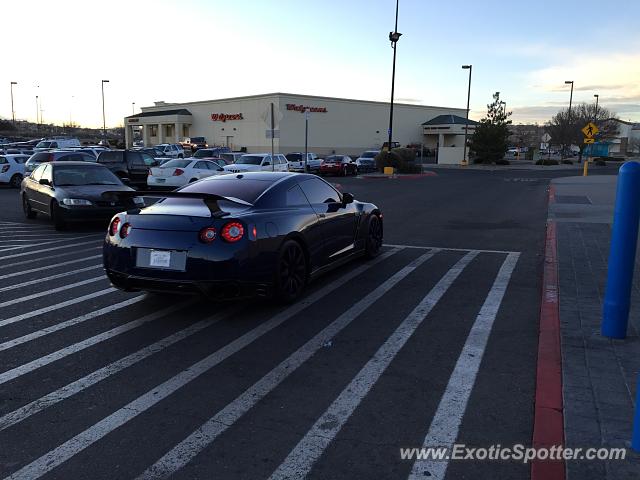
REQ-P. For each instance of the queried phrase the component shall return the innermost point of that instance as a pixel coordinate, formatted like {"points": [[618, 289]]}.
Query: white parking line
{"points": [[87, 381], [448, 249], [43, 233], [49, 267], [56, 306], [49, 292], [57, 256], [71, 447], [445, 424], [33, 252], [68, 323], [50, 277], [301, 459], [45, 243], [88, 342], [187, 449]]}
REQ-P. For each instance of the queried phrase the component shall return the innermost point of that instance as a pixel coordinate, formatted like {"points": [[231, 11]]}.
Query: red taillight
{"points": [[232, 232], [207, 234], [5, 168], [125, 230], [113, 228], [177, 172], [254, 230], [51, 155]]}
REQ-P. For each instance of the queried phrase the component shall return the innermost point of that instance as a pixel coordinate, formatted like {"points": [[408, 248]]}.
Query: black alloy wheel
{"points": [[374, 237], [16, 180], [292, 272]]}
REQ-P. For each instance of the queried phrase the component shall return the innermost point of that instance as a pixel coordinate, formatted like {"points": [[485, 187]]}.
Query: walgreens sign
{"points": [[304, 108], [223, 117]]}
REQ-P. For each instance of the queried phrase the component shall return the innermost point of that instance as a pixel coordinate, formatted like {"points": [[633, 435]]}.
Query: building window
{"points": [[185, 130], [153, 130], [168, 130]]}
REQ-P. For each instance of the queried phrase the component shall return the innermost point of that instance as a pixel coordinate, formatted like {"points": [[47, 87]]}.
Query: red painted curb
{"points": [[548, 423]]}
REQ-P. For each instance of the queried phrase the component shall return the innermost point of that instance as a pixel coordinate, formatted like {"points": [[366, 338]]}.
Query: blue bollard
{"points": [[622, 254]]}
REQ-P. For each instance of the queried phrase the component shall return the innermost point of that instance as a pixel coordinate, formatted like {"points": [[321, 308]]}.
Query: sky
{"points": [[189, 50]]}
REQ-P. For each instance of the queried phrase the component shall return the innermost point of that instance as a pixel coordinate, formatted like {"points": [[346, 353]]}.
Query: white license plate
{"points": [[159, 258], [161, 180]]}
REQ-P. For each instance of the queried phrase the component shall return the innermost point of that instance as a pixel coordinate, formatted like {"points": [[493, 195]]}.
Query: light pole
{"points": [[37, 111], [595, 115], [13, 112], [133, 108], [104, 122], [393, 38], [567, 82], [466, 124]]}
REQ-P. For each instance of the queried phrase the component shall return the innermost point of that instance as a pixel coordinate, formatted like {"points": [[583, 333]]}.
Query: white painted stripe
{"points": [[71, 447], [87, 381], [46, 243], [57, 306], [187, 449], [447, 249], [445, 424], [16, 240], [33, 252], [49, 267], [301, 459], [50, 291], [68, 323], [88, 342], [51, 277], [43, 233], [57, 256]]}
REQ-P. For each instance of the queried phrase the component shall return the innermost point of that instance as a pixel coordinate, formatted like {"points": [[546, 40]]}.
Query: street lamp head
{"points": [[466, 67], [105, 81], [394, 36], [14, 83], [568, 82], [596, 95]]}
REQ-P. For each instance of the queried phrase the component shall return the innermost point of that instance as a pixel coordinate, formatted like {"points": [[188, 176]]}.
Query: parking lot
{"points": [[433, 342]]}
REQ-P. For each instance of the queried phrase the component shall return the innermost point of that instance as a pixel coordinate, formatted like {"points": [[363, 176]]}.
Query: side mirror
{"points": [[347, 198], [44, 181]]}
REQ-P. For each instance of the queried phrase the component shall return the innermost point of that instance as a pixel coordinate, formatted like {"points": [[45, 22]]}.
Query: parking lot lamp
{"points": [[13, 112], [595, 115], [567, 82], [37, 111], [104, 122], [466, 124], [393, 38], [133, 108]]}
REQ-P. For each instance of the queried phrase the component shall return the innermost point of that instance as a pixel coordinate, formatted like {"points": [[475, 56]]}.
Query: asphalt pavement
{"points": [[432, 343]]}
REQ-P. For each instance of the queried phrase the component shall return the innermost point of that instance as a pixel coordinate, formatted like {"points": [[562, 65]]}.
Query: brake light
{"points": [[125, 230], [113, 228], [177, 172], [51, 155], [232, 232], [150, 174], [5, 168], [207, 235]]}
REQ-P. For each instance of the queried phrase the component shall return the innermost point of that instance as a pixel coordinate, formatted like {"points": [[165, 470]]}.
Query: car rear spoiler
{"points": [[210, 199]]}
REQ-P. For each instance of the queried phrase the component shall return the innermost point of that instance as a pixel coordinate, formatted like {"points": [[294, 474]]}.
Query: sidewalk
{"points": [[599, 375]]}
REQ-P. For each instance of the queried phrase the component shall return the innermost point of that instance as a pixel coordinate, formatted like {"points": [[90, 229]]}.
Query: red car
{"points": [[338, 165]]}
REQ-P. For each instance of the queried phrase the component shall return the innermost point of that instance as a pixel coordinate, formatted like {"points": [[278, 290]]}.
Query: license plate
{"points": [[159, 258], [161, 180]]}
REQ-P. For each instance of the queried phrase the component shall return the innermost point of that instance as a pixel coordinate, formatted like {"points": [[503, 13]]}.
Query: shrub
{"points": [[402, 159], [567, 162], [546, 161]]}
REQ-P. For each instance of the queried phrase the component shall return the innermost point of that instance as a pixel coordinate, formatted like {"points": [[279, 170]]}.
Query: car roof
{"points": [[76, 163], [13, 155], [273, 176]]}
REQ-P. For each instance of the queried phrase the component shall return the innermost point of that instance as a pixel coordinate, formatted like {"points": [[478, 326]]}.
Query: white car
{"points": [[170, 150], [366, 162], [56, 143], [179, 172], [12, 169], [259, 162], [296, 162]]}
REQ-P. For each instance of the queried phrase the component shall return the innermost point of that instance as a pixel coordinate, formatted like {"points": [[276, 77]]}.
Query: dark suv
{"points": [[132, 166], [58, 156]]}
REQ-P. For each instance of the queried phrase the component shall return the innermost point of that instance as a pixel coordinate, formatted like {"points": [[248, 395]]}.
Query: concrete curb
{"points": [[548, 423], [401, 176]]}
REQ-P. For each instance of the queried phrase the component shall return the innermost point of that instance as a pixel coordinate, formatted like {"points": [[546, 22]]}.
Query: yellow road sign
{"points": [[590, 130], [589, 140]]}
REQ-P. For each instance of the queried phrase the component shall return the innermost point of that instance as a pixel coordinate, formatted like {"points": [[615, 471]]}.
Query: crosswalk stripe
{"points": [[187, 449], [68, 323], [42, 250], [49, 267], [49, 292], [445, 424], [71, 447], [45, 243], [88, 342], [51, 277], [302, 458], [56, 306], [57, 256], [87, 381]]}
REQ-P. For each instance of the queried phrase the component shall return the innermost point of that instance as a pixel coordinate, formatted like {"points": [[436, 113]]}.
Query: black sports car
{"points": [[258, 233]]}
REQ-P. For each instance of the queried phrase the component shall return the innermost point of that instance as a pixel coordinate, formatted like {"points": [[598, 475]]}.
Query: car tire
{"points": [[291, 273], [16, 180], [26, 208], [57, 216], [373, 242], [180, 156]]}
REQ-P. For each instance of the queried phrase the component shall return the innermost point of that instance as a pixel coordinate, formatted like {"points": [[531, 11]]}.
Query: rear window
{"points": [[294, 157], [44, 145], [176, 164], [203, 153], [110, 157], [197, 140], [39, 157], [369, 154], [230, 186]]}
